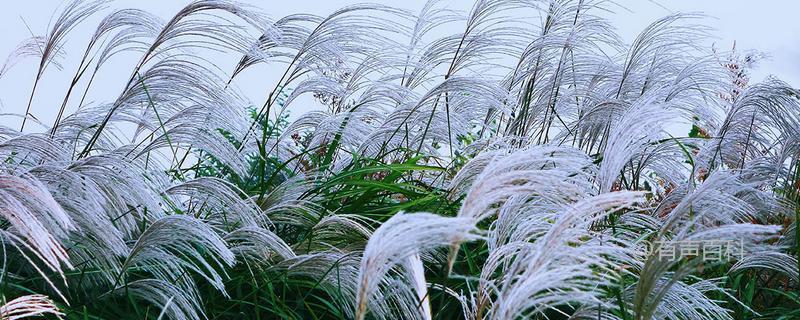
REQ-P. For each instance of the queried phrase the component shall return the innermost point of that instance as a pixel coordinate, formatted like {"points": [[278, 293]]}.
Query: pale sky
{"points": [[771, 27]]}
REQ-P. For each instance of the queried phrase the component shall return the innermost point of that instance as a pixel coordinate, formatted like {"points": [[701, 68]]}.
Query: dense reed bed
{"points": [[529, 165]]}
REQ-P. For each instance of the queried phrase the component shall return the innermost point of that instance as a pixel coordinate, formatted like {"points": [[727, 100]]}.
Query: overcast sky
{"points": [[771, 27]]}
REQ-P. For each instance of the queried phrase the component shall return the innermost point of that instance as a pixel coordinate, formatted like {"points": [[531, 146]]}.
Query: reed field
{"points": [[502, 159]]}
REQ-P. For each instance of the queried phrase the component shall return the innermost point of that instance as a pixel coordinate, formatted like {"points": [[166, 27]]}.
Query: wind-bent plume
{"points": [[28, 306], [398, 239]]}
